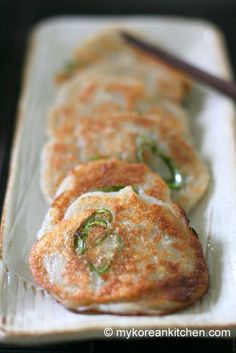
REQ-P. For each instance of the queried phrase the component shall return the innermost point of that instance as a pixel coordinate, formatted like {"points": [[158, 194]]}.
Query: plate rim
{"points": [[95, 331]]}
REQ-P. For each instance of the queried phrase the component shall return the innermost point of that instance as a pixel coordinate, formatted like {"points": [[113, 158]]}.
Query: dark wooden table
{"points": [[17, 18]]}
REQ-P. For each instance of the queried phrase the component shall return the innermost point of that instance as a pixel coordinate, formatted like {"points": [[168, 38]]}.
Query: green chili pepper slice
{"points": [[134, 189], [93, 220], [70, 67], [103, 218], [99, 270], [111, 188], [115, 188], [105, 212], [95, 158], [142, 144], [175, 182]]}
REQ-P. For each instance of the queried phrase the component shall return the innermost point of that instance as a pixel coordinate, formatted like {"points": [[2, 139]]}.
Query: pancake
{"points": [[104, 175], [102, 92], [131, 137], [121, 253], [56, 160], [108, 48]]}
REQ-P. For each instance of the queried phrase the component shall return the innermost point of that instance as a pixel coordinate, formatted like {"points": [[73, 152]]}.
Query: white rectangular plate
{"points": [[27, 313]]}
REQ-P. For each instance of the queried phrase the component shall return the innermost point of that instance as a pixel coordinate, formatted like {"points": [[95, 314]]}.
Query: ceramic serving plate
{"points": [[27, 313]]}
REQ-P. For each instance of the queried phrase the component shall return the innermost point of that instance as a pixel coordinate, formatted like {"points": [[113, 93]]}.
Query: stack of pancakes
{"points": [[118, 170]]}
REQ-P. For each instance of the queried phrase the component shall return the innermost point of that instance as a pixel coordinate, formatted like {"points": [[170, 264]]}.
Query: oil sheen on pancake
{"points": [[121, 253]]}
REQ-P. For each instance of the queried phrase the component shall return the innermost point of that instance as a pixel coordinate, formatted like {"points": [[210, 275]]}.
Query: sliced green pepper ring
{"points": [[95, 158], [98, 270], [115, 188], [112, 188], [82, 233], [176, 180], [104, 211], [70, 67]]}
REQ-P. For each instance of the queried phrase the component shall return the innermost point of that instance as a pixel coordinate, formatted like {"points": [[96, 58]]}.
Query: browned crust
{"points": [[58, 158], [102, 173], [109, 133], [11, 335], [176, 287], [184, 82], [94, 50], [64, 116]]}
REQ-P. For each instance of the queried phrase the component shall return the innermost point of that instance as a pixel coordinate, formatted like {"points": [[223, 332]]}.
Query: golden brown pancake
{"points": [[57, 159], [131, 137], [103, 175], [108, 48], [121, 253], [103, 92]]}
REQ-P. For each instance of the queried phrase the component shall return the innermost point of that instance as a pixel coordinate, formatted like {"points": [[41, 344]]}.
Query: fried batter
{"points": [[121, 253]]}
